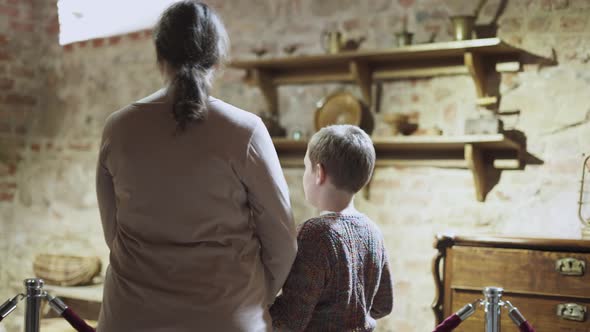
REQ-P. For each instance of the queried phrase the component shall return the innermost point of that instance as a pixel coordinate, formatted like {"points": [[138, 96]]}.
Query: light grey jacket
{"points": [[198, 223]]}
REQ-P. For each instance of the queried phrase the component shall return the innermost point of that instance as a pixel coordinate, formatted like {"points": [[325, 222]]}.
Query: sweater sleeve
{"points": [[383, 301], [268, 197], [293, 309]]}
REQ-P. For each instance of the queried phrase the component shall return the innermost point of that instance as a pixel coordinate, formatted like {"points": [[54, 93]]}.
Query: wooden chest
{"points": [[547, 280]]}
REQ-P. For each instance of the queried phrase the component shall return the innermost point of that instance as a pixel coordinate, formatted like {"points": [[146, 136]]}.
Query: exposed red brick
{"points": [[36, 147], [148, 33], [80, 146], [24, 72], [52, 28], [27, 16], [114, 40], [82, 44], [9, 11], [98, 42], [5, 56], [135, 35], [432, 27], [22, 27], [560, 4], [16, 99], [406, 3], [3, 40], [7, 169], [5, 128], [573, 23], [20, 2], [68, 47], [7, 185], [6, 83], [351, 24], [6, 197], [21, 130]]}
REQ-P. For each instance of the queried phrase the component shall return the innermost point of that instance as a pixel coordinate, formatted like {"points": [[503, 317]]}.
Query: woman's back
{"points": [[190, 211]]}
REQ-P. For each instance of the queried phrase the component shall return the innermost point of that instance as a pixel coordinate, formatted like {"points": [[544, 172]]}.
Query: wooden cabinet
{"points": [[547, 280]]}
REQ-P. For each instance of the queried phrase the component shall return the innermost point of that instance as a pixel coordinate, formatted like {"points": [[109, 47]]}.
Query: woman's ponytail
{"points": [[190, 91], [191, 42]]}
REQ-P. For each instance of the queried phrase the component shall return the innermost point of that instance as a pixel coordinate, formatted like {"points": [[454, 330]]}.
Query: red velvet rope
{"points": [[526, 327], [77, 323], [448, 324]]}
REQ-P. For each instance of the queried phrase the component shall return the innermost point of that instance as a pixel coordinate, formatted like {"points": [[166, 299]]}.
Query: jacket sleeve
{"points": [[268, 197], [105, 190], [383, 301]]}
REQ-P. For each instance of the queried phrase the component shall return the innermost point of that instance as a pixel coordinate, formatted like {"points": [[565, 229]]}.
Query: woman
{"points": [[194, 205]]}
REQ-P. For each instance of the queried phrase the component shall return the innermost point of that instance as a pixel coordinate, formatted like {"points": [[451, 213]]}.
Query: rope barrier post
{"points": [[492, 305], [7, 307], [68, 314], [518, 318], [457, 318], [35, 294]]}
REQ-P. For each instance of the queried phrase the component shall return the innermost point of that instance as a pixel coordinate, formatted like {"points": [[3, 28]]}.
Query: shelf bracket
{"points": [[362, 76], [474, 64], [264, 81], [475, 163]]}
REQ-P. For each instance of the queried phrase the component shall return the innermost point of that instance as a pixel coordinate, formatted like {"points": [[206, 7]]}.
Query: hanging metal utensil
{"points": [[585, 168]]}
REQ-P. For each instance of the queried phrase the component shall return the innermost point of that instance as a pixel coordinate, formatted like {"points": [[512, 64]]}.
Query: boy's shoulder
{"points": [[313, 225], [334, 221]]}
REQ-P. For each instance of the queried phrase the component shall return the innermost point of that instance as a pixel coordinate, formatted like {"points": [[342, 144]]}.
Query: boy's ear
{"points": [[320, 174]]}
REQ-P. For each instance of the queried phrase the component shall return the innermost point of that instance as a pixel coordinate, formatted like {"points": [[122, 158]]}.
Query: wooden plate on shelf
{"points": [[343, 108]]}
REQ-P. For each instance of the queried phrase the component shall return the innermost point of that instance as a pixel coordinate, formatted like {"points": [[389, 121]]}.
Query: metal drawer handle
{"points": [[570, 266], [572, 311]]}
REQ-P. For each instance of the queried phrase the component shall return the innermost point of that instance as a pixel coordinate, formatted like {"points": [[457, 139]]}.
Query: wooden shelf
{"points": [[479, 58], [478, 153], [474, 57]]}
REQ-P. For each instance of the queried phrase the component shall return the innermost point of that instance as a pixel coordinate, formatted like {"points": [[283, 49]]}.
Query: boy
{"points": [[340, 280]]}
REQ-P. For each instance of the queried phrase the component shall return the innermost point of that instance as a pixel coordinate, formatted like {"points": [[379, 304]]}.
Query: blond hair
{"points": [[347, 154]]}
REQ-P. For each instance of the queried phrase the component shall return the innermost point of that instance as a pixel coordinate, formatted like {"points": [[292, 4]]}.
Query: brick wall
{"points": [[53, 104]]}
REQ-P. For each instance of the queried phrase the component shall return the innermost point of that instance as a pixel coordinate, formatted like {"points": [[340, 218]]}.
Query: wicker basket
{"points": [[64, 270]]}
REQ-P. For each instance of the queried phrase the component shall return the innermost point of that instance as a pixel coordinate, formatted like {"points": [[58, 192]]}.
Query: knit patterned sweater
{"points": [[340, 280]]}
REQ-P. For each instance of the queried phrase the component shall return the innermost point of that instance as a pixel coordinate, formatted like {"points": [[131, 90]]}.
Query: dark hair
{"points": [[190, 40], [347, 154]]}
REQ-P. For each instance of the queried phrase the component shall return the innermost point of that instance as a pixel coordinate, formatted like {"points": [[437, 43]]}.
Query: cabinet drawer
{"points": [[519, 271], [541, 312]]}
